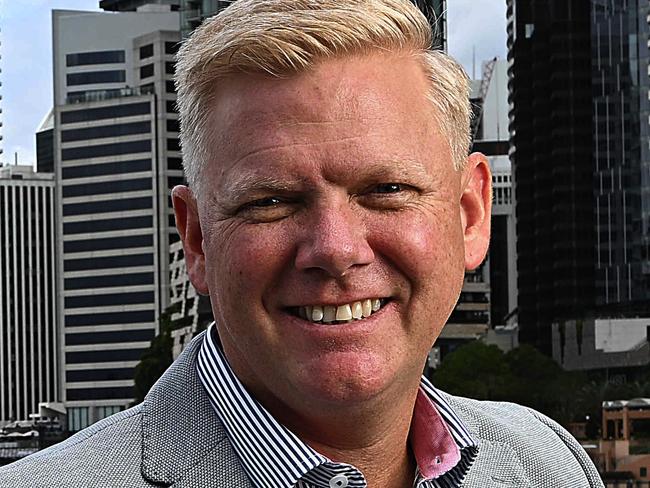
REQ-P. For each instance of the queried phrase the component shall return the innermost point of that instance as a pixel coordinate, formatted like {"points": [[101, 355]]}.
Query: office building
{"points": [[134, 5], [28, 336], [116, 154], [549, 58], [579, 124]]}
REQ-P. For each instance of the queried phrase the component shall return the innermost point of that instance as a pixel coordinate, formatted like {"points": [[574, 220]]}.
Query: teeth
{"points": [[316, 314], [357, 310], [366, 308], [329, 313], [342, 313]]}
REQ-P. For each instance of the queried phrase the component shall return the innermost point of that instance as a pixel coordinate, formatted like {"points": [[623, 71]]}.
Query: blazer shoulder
{"points": [[108, 453], [543, 448]]}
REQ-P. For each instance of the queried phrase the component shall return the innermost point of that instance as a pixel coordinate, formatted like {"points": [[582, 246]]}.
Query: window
{"points": [[173, 145], [170, 67], [77, 418], [101, 150], [97, 57], [108, 300], [111, 112], [103, 412], [107, 206], [106, 131], [92, 77], [134, 317], [75, 394], [108, 262], [172, 47], [106, 225], [174, 163], [643, 472], [146, 51], [107, 243], [101, 356], [146, 71], [530, 30], [171, 107], [118, 186], [148, 89], [124, 279], [173, 125], [99, 374], [106, 169], [109, 337], [169, 86]]}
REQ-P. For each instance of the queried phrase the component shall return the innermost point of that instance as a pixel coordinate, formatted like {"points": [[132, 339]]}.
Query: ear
{"points": [[476, 209], [189, 228]]}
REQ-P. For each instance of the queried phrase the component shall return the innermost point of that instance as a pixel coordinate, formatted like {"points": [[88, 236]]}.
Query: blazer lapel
{"points": [[183, 441], [496, 466]]}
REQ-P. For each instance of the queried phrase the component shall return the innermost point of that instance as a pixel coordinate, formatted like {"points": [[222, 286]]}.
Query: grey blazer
{"points": [[175, 439]]}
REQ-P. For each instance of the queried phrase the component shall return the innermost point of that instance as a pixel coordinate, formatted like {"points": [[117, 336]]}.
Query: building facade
{"points": [[579, 93], [116, 155], [550, 97], [28, 335]]}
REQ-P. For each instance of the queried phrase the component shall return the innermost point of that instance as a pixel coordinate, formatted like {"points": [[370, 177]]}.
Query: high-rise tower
{"points": [[116, 155], [28, 334], [579, 136]]}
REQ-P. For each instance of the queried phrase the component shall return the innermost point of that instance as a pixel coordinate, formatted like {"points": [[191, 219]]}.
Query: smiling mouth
{"points": [[339, 314]]}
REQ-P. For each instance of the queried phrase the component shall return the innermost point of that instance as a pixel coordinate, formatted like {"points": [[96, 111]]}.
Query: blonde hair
{"points": [[284, 37]]}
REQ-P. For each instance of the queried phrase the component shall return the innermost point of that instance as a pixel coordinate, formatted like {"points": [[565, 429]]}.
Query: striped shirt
{"points": [[274, 457]]}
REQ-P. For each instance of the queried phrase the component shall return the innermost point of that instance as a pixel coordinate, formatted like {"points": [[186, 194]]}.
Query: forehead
{"points": [[375, 103]]}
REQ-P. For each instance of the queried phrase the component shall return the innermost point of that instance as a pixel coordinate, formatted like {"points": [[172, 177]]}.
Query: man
{"points": [[330, 215]]}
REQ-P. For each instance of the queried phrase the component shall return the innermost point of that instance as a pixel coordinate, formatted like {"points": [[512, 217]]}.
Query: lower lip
{"points": [[361, 326]]}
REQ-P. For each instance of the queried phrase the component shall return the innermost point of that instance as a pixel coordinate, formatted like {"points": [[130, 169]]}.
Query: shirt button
{"points": [[339, 481]]}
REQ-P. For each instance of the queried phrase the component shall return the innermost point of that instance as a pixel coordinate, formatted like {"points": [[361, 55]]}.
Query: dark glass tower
{"points": [[549, 48], [621, 106], [579, 94]]}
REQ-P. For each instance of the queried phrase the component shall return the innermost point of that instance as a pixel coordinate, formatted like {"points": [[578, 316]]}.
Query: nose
{"points": [[335, 241]]}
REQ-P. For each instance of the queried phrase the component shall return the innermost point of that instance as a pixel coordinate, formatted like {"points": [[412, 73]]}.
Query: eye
{"points": [[265, 202], [388, 188]]}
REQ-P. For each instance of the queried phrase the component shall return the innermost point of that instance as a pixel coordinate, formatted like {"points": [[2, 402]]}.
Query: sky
{"points": [[26, 63]]}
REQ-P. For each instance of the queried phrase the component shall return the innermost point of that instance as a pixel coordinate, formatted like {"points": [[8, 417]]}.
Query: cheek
{"points": [[423, 248], [246, 258]]}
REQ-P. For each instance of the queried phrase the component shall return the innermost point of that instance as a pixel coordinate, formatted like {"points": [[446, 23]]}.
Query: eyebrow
{"points": [[255, 183], [251, 184]]}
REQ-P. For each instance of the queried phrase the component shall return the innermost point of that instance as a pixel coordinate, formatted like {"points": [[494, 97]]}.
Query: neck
{"points": [[373, 438]]}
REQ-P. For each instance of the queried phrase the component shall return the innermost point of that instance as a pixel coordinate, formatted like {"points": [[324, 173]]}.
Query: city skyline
{"points": [[27, 60]]}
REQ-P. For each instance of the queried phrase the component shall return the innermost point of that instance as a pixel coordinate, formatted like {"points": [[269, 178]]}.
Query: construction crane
{"points": [[488, 70]]}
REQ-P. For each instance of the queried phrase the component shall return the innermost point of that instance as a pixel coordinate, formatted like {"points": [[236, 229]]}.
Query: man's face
{"points": [[331, 190]]}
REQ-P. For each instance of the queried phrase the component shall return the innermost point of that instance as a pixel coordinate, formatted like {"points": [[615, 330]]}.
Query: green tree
{"points": [[475, 370], [155, 360]]}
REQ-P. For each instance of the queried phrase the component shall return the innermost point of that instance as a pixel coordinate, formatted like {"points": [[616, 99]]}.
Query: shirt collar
{"points": [[274, 457]]}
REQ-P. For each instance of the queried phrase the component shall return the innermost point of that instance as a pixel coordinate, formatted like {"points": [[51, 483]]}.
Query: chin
{"points": [[347, 379]]}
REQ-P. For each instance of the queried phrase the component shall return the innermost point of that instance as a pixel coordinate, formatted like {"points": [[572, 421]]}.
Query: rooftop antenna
{"points": [[473, 61]]}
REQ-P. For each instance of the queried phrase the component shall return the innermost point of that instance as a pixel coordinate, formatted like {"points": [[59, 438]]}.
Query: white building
{"points": [[116, 155], [28, 336]]}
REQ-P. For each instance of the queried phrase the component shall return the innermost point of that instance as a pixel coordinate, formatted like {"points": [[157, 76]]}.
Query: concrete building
{"points": [[29, 371], [601, 343], [579, 124], [116, 155], [624, 448]]}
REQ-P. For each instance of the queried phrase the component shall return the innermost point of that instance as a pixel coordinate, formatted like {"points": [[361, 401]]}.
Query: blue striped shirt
{"points": [[274, 457]]}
